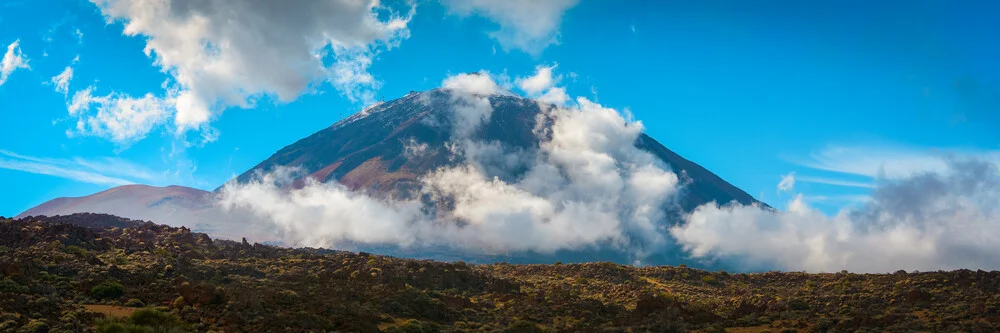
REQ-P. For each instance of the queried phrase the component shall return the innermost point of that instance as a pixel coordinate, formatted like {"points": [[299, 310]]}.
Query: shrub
{"points": [[179, 302], [8, 325], [522, 326], [76, 250], [11, 286], [34, 326], [153, 318], [798, 304], [107, 290], [709, 279], [716, 328], [135, 303], [414, 326], [146, 320]]}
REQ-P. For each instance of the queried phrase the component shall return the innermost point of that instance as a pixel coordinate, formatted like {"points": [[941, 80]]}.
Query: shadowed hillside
{"points": [[53, 267]]}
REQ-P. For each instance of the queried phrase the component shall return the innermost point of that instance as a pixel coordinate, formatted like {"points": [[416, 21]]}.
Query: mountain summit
{"points": [[463, 172]]}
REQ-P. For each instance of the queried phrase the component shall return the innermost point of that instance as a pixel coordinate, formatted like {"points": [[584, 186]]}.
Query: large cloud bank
{"points": [[586, 185], [947, 218]]}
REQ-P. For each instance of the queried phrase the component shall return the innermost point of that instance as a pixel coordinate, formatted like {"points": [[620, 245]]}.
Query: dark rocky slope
{"points": [[52, 270]]}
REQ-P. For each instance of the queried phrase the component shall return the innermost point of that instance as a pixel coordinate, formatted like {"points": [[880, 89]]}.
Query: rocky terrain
{"points": [[91, 272]]}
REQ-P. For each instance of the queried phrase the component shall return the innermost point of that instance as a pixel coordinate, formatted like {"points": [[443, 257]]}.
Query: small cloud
{"points": [[542, 86], [61, 81], [538, 83], [13, 60], [527, 25], [555, 95], [479, 83], [787, 183], [632, 27], [119, 118]]}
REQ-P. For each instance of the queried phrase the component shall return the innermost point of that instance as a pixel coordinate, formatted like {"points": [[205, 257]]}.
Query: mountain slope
{"points": [[127, 200], [172, 205]]}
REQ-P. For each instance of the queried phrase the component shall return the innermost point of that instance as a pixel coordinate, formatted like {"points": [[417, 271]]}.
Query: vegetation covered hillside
{"points": [[66, 274]]}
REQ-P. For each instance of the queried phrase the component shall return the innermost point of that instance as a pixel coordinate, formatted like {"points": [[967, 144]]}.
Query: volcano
{"points": [[388, 150], [369, 150]]}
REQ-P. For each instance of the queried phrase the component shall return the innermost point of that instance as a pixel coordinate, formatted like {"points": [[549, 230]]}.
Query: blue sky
{"points": [[834, 94]]}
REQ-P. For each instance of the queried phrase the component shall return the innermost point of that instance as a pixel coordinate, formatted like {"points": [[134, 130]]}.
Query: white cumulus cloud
{"points": [[542, 86], [119, 118], [232, 53], [479, 83], [538, 83]]}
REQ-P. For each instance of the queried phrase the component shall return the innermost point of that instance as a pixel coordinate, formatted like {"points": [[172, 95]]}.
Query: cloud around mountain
{"points": [[586, 185]]}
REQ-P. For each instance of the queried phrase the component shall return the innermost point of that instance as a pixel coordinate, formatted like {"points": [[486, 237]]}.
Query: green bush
{"points": [[135, 303], [708, 279], [107, 290]]}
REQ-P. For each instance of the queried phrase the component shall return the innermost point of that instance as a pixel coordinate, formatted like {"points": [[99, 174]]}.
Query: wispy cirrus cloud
{"points": [[888, 161], [836, 182], [110, 171], [860, 166]]}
